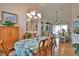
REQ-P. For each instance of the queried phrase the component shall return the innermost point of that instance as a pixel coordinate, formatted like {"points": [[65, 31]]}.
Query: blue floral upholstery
{"points": [[26, 47]]}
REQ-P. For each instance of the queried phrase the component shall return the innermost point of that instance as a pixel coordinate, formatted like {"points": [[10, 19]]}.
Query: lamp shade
{"points": [[39, 15], [35, 17], [33, 12], [28, 14], [56, 22]]}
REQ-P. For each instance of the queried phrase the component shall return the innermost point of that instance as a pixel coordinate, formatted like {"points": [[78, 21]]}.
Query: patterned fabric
{"points": [[24, 52], [26, 47]]}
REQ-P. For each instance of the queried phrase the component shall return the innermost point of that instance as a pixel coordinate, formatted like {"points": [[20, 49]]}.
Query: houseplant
{"points": [[8, 23]]}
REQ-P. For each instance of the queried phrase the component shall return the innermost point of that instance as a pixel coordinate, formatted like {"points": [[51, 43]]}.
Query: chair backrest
{"points": [[45, 46], [46, 43], [4, 48], [41, 48], [41, 44], [1, 51], [50, 41], [50, 48]]}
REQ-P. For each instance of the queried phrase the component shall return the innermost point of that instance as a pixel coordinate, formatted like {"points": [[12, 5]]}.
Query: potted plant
{"points": [[8, 23]]}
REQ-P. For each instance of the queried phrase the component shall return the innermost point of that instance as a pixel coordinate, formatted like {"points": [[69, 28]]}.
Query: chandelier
{"points": [[56, 17], [33, 15]]}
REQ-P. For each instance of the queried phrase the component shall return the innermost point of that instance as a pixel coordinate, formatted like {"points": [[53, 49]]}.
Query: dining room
{"points": [[39, 29]]}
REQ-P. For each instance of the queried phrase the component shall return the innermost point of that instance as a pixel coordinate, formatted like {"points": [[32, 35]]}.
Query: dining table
{"points": [[26, 47]]}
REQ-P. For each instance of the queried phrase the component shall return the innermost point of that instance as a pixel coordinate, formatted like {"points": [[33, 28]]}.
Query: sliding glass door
{"points": [[58, 28]]}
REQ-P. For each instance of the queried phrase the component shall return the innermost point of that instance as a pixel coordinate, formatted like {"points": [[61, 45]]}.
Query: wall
{"points": [[20, 10], [75, 13]]}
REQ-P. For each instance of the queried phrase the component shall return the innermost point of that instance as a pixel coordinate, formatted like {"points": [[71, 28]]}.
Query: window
{"points": [[58, 28]]}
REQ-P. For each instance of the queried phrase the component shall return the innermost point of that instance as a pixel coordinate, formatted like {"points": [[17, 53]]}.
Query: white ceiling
{"points": [[49, 12]]}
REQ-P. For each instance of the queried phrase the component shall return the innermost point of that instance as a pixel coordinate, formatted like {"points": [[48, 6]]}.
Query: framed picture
{"points": [[7, 16], [76, 26]]}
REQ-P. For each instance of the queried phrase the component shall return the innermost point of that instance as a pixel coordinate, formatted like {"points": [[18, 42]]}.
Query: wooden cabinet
{"points": [[15, 34], [9, 35]]}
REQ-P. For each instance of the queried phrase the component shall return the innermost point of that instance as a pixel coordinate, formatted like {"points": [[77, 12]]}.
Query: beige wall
{"points": [[20, 10], [75, 11]]}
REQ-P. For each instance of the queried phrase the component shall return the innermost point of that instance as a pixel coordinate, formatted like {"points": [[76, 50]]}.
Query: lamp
{"points": [[33, 15], [56, 17], [56, 22]]}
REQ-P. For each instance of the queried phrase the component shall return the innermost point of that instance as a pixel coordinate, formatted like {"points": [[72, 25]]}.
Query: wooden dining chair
{"points": [[51, 48], [40, 51], [54, 45], [45, 46], [1, 51], [4, 48]]}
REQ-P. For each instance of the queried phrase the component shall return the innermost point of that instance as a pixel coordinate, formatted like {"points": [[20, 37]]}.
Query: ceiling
{"points": [[49, 12]]}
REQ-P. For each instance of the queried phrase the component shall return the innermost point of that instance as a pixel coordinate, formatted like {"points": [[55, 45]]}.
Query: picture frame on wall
{"points": [[7, 16], [76, 26]]}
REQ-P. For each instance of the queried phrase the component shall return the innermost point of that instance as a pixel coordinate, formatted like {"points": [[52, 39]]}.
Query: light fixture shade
{"points": [[33, 12], [56, 21], [39, 15], [28, 19], [35, 17], [28, 14]]}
